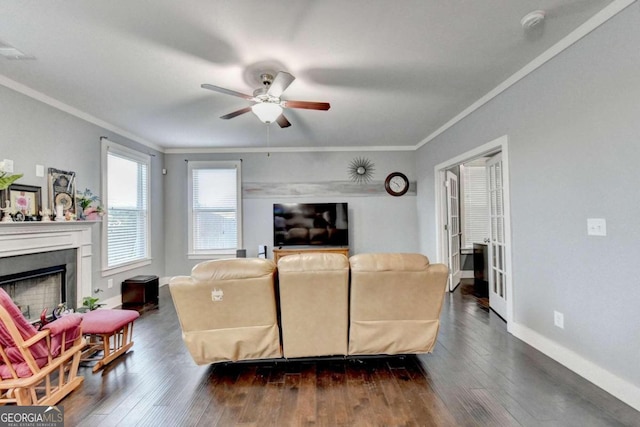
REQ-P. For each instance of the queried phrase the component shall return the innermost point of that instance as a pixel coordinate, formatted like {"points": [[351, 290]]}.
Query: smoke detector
{"points": [[532, 19]]}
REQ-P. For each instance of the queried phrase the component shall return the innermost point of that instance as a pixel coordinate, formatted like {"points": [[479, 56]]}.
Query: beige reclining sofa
{"points": [[323, 305]]}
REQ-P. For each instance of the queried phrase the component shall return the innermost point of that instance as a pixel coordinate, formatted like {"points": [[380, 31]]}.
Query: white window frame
{"points": [[214, 164], [128, 153]]}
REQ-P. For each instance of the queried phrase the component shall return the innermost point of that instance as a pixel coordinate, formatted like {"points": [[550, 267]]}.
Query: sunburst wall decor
{"points": [[361, 170]]}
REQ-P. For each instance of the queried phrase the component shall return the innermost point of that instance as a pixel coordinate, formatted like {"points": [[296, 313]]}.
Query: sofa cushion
{"points": [[389, 262], [314, 309], [230, 269], [314, 261], [395, 303], [227, 310]]}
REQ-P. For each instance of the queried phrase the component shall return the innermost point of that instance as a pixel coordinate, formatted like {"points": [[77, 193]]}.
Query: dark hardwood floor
{"points": [[478, 375]]}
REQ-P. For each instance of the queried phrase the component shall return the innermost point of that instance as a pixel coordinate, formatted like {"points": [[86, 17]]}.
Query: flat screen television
{"points": [[310, 224]]}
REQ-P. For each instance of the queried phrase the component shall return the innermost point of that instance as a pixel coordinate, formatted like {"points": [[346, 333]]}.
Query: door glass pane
{"points": [[492, 178], [494, 224]]}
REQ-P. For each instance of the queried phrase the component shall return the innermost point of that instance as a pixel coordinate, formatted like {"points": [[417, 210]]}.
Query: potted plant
{"points": [[90, 207], [6, 181], [90, 303]]}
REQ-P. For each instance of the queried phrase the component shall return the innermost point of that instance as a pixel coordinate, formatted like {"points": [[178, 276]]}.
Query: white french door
{"points": [[497, 247], [453, 229]]}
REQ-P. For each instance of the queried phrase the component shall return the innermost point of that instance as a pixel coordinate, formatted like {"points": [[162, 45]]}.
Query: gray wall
{"points": [[574, 144], [377, 223], [35, 133]]}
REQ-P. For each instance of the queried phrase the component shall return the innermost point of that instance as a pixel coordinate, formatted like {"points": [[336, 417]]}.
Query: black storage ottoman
{"points": [[140, 292]]}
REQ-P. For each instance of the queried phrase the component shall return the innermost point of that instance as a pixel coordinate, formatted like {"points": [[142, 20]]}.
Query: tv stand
{"points": [[279, 253]]}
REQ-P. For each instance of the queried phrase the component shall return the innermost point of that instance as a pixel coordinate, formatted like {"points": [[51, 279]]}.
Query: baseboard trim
{"points": [[164, 280], [112, 302], [611, 383], [467, 274]]}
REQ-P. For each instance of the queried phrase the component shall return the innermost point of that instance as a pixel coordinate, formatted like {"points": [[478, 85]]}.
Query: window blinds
{"points": [[474, 205], [127, 208], [214, 209]]}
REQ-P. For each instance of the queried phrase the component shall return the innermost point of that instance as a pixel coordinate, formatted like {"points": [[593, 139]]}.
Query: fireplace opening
{"points": [[35, 290]]}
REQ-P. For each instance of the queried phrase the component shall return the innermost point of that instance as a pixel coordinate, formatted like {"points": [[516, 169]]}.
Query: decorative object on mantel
{"points": [[361, 170], [27, 201], [7, 211], [5, 182], [86, 211], [62, 191], [45, 214], [60, 213]]}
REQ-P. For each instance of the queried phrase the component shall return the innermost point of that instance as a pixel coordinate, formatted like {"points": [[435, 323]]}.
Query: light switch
{"points": [[39, 171], [596, 227]]}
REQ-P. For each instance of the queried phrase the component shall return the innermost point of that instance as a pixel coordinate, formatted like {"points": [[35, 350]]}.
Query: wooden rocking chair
{"points": [[37, 367]]}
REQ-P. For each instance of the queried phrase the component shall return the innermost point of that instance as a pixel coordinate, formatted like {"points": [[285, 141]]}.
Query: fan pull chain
{"points": [[268, 140]]}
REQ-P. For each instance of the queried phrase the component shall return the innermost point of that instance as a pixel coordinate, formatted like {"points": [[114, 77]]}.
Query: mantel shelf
{"points": [[45, 223]]}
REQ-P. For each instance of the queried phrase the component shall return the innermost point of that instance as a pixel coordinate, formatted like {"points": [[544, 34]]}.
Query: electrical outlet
{"points": [[596, 227], [558, 319], [39, 171], [110, 283]]}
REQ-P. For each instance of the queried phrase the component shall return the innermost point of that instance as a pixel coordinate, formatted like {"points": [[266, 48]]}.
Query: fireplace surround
{"points": [[59, 241]]}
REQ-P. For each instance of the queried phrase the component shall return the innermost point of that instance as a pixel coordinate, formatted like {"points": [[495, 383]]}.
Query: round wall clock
{"points": [[396, 184]]}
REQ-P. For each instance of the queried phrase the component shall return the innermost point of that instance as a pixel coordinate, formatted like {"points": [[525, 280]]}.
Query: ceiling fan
{"points": [[268, 105]]}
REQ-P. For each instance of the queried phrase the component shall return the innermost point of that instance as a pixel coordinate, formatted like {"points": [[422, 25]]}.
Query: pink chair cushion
{"points": [[72, 324], [39, 351], [107, 321]]}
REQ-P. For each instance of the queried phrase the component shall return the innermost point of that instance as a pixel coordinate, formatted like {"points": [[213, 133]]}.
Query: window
{"points": [[126, 186], [475, 207], [215, 209]]}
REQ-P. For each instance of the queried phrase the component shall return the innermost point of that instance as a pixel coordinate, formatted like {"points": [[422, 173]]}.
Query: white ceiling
{"points": [[394, 71]]}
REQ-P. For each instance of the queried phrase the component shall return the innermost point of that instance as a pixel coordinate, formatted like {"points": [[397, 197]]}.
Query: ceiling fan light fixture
{"points": [[267, 112]]}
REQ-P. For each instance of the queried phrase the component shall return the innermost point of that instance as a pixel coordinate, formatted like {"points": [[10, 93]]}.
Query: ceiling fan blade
{"points": [[225, 91], [280, 84], [282, 121], [307, 105], [236, 113]]}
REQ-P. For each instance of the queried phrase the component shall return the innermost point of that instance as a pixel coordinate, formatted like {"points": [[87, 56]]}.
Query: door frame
{"points": [[497, 145]]}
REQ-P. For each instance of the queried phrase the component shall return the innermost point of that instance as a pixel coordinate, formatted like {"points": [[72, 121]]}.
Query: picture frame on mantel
{"points": [[26, 199], [62, 190]]}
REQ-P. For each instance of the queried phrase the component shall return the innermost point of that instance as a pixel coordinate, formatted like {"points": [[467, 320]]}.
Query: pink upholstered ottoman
{"points": [[109, 332]]}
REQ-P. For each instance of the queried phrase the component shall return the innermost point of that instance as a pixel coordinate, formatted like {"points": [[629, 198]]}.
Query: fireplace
{"points": [[54, 256], [42, 280]]}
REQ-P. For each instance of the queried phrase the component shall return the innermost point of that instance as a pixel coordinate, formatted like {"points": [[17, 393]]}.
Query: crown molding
{"points": [[45, 99], [285, 149]]}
